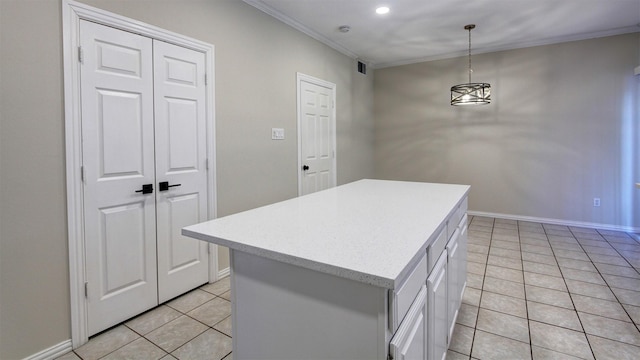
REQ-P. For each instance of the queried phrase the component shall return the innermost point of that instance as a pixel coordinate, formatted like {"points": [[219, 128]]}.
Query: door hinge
{"points": [[86, 289], [80, 55], [207, 164], [82, 174], [208, 249], [206, 82]]}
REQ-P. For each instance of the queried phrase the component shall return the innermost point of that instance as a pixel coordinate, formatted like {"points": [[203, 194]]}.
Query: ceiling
{"points": [[423, 30]]}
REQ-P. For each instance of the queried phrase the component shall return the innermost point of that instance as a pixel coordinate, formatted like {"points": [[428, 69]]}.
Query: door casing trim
{"points": [[72, 13], [300, 77]]}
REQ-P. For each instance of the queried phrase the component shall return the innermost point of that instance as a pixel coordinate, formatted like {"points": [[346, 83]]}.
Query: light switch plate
{"points": [[277, 134]]}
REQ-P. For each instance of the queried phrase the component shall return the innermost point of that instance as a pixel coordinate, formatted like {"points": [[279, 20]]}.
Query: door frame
{"points": [[300, 77], [72, 13]]}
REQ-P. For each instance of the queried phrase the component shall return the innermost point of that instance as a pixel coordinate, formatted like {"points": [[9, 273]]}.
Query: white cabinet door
{"points": [[462, 241], [409, 342], [181, 148], [454, 267], [118, 159], [437, 325]]}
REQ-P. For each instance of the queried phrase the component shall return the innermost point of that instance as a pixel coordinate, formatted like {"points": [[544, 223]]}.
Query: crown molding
{"points": [[260, 5], [513, 46]]}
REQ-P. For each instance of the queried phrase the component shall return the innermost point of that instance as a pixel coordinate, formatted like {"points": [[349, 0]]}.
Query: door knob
{"points": [[146, 189], [305, 167], [164, 185]]}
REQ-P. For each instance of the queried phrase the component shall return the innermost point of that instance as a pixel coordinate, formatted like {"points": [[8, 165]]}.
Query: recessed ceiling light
{"points": [[382, 10]]}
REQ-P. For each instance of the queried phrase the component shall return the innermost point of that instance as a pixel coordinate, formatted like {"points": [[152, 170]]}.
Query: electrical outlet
{"points": [[596, 202]]}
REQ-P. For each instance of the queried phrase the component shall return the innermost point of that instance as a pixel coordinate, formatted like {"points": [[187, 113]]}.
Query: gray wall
{"points": [[256, 60], [34, 280], [562, 129]]}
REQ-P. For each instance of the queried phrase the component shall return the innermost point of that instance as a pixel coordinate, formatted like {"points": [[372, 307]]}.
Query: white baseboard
{"points": [[52, 352], [583, 224], [224, 273]]}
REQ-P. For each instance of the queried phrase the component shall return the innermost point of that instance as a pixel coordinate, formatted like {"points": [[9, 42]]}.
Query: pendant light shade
{"points": [[471, 93]]}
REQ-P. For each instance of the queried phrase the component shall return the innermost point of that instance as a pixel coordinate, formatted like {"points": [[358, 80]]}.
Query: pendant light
{"points": [[471, 93]]}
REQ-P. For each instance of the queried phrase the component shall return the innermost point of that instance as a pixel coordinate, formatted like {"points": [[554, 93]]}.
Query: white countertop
{"points": [[371, 231]]}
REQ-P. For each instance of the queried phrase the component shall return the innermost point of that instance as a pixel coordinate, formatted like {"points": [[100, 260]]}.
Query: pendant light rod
{"points": [[470, 27]]}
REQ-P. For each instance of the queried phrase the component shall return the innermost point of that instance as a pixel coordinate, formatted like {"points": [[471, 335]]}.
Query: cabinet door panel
{"points": [[409, 342], [462, 241], [453, 279], [437, 329], [403, 298], [435, 249]]}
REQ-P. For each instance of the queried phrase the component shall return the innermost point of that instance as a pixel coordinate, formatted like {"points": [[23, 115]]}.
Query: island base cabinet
{"points": [[374, 284], [282, 311], [437, 319]]}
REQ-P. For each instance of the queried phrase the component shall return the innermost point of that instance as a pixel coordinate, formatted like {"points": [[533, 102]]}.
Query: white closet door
{"points": [[181, 146], [118, 159]]}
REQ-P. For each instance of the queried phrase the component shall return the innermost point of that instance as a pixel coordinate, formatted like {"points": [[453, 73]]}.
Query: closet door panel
{"points": [[180, 129], [118, 159]]}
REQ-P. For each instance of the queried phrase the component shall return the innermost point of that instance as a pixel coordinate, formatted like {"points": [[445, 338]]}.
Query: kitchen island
{"points": [[368, 270]]}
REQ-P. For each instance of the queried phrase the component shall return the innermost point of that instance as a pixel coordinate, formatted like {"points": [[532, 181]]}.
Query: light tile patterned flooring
{"points": [[539, 291], [534, 291], [196, 325]]}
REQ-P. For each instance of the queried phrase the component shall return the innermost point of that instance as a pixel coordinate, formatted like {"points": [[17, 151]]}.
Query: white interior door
{"points": [[317, 132], [118, 159], [181, 148]]}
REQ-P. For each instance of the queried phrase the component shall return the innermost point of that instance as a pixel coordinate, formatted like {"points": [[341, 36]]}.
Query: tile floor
{"points": [[534, 291], [540, 291], [196, 325]]}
